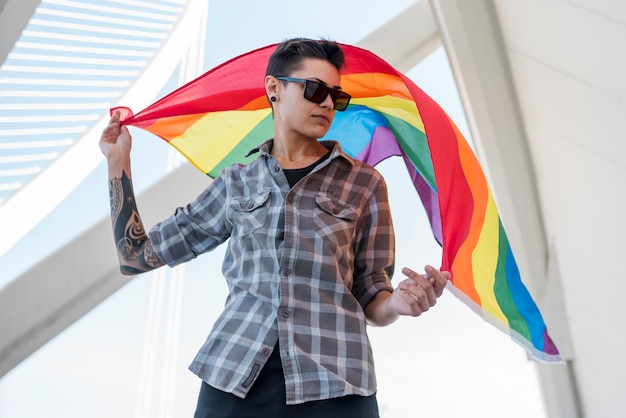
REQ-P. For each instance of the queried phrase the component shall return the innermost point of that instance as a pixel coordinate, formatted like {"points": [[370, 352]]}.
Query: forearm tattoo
{"points": [[133, 245]]}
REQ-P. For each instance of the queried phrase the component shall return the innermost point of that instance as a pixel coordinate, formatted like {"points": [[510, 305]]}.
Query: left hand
{"points": [[418, 292]]}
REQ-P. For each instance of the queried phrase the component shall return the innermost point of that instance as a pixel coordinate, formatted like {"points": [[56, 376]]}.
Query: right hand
{"points": [[116, 141], [418, 292]]}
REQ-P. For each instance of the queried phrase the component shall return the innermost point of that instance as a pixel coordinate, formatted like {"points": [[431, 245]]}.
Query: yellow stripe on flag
{"points": [[485, 226], [213, 137], [485, 260], [400, 108]]}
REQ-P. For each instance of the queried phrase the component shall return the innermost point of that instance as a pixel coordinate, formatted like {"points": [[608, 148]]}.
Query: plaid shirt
{"points": [[301, 264]]}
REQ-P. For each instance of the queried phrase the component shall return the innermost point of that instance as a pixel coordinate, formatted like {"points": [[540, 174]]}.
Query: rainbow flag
{"points": [[217, 118]]}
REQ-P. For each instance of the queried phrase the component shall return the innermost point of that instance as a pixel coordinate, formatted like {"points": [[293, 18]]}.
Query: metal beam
{"points": [[59, 290], [406, 39], [67, 171], [14, 15]]}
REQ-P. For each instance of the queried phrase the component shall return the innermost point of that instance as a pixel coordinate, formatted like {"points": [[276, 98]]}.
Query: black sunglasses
{"points": [[316, 92]]}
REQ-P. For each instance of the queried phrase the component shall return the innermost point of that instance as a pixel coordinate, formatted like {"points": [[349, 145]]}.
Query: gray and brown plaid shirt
{"points": [[301, 264]]}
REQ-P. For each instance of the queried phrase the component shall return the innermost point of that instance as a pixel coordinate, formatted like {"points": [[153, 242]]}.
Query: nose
{"points": [[328, 102]]}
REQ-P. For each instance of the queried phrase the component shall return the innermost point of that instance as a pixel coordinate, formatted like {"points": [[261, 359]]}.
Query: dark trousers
{"points": [[266, 399]]}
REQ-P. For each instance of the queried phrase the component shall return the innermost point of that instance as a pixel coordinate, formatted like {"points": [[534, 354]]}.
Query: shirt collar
{"points": [[337, 152]]}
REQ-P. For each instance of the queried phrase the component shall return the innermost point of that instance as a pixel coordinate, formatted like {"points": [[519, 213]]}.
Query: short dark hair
{"points": [[288, 55]]}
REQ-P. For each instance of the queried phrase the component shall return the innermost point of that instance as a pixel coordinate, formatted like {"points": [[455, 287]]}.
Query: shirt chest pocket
{"points": [[334, 220], [250, 213]]}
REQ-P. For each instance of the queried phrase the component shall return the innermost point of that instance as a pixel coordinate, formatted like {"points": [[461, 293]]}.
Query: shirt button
{"points": [[265, 351], [285, 314], [290, 199], [276, 169], [250, 205], [281, 236]]}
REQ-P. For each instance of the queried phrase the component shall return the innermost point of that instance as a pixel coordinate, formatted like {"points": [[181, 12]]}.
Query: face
{"points": [[293, 114]]}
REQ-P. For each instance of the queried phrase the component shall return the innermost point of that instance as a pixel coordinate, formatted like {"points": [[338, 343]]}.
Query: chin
{"points": [[318, 133]]}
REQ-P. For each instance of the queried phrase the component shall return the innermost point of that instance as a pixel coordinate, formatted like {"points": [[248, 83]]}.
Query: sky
{"points": [[128, 357]]}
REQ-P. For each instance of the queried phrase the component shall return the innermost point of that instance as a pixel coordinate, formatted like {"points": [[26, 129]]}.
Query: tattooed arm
{"points": [[134, 249]]}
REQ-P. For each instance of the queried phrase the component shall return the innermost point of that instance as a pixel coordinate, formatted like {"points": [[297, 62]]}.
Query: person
{"points": [[309, 258]]}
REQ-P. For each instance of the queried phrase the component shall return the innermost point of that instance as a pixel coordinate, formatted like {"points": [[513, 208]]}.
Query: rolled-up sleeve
{"points": [[375, 252]]}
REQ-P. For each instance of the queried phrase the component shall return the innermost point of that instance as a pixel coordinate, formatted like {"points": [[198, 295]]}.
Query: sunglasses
{"points": [[316, 92]]}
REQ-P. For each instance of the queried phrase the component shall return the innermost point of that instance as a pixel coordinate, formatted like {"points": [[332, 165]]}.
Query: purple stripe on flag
{"points": [[429, 198], [382, 145]]}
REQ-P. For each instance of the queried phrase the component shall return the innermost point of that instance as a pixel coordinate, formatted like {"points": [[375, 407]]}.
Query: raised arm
{"points": [[134, 249]]}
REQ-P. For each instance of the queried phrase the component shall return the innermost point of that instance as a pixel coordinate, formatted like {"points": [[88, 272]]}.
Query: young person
{"points": [[309, 259]]}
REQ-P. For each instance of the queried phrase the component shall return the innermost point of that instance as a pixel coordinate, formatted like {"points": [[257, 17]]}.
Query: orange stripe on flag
{"points": [[462, 265], [256, 104], [375, 85], [172, 127]]}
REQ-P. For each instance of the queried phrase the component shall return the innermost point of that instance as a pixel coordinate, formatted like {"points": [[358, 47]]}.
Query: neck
{"points": [[297, 152]]}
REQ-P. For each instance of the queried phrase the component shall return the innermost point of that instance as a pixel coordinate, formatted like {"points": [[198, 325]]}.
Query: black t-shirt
{"points": [[294, 175]]}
